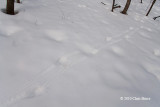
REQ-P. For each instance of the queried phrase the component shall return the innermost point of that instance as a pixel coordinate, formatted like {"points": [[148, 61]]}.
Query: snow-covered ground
{"points": [[77, 53]]}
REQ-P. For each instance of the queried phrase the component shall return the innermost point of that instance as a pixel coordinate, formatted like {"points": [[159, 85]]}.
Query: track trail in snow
{"points": [[43, 79], [38, 85]]}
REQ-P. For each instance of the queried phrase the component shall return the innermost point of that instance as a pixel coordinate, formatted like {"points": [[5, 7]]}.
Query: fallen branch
{"points": [[156, 17], [103, 3]]}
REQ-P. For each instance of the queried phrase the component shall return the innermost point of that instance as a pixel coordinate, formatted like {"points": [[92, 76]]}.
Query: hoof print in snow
{"points": [[108, 39], [82, 6], [56, 35], [87, 49], [131, 28], [127, 37], [35, 92], [63, 61], [118, 51], [69, 59], [157, 52]]}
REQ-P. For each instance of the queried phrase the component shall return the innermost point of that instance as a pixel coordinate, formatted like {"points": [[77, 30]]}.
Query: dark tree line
{"points": [[10, 6], [128, 2]]}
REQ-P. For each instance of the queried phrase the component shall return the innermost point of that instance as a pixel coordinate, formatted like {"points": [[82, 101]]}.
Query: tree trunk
{"points": [[18, 1], [126, 7], [113, 5], [150, 7], [10, 7]]}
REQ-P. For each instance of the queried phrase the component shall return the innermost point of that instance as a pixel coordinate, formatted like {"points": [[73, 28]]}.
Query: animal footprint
{"points": [[70, 59], [157, 52], [88, 49], [35, 92], [118, 50], [108, 39], [82, 6], [56, 35]]}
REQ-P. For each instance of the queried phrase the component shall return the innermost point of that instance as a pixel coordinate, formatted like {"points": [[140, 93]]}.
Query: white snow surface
{"points": [[77, 53]]}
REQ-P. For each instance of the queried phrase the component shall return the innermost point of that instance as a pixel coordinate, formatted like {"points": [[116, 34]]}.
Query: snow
{"points": [[77, 53]]}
